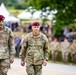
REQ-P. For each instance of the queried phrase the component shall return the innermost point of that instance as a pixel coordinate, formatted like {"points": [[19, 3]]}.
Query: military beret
{"points": [[35, 24], [2, 17]]}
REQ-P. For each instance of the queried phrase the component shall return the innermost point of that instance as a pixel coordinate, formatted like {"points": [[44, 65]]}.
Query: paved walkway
{"points": [[50, 69]]}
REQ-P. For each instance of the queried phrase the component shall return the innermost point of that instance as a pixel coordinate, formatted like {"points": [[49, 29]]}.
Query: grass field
{"points": [[15, 12]]}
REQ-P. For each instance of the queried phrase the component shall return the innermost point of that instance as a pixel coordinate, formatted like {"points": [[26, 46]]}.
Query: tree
{"points": [[66, 11], [14, 3], [3, 1], [20, 6]]}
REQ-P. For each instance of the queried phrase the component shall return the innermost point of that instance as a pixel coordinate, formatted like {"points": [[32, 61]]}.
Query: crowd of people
{"points": [[44, 28], [18, 41], [65, 47], [12, 25], [54, 43], [32, 48], [48, 31]]}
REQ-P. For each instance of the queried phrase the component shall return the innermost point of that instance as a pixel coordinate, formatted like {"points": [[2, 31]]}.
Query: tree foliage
{"points": [[4, 1], [66, 11], [17, 4]]}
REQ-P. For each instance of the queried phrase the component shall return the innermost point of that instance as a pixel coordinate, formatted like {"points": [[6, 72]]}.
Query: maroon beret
{"points": [[2, 17], [35, 24]]}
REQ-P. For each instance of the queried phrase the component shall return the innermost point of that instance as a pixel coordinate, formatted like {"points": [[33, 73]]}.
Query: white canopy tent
{"points": [[3, 10], [6, 14], [36, 15], [51, 15], [11, 19], [25, 15]]}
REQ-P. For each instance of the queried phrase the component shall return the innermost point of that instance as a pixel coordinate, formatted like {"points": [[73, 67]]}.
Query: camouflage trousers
{"points": [[54, 55], [4, 66], [33, 69], [65, 57], [73, 58]]}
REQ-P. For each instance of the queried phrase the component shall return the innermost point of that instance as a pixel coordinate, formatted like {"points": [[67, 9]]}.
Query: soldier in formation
{"points": [[7, 50], [54, 47], [65, 48], [73, 51], [34, 51]]}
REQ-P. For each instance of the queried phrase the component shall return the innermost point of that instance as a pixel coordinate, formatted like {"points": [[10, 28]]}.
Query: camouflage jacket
{"points": [[54, 46], [73, 48], [65, 46], [35, 49], [7, 49]]}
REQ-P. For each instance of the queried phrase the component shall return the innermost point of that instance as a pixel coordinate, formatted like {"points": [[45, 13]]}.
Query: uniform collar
{"points": [[35, 36], [4, 29]]}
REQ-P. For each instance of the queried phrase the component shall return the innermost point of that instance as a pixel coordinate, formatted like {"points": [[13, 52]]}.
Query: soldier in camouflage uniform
{"points": [[34, 51], [65, 47], [7, 49], [73, 51], [54, 47]]}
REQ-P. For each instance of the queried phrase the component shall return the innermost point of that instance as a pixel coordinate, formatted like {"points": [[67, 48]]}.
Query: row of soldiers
{"points": [[65, 47]]}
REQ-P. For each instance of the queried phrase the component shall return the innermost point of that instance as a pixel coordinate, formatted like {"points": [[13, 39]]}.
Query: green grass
{"points": [[16, 12]]}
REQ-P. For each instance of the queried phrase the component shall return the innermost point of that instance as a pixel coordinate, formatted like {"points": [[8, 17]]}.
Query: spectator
{"points": [[17, 41], [65, 47]]}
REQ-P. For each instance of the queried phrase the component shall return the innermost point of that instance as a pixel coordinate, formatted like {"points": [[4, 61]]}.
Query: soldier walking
{"points": [[65, 47], [73, 51], [7, 49], [34, 51]]}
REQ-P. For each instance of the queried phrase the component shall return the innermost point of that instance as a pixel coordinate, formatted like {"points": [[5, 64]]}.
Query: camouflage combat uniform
{"points": [[7, 49], [73, 53], [34, 51], [65, 47], [54, 47]]}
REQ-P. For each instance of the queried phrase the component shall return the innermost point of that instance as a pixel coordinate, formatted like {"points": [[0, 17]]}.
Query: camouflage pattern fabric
{"points": [[7, 49], [35, 49], [6, 43], [73, 52], [4, 66], [54, 47], [65, 47], [33, 69]]}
